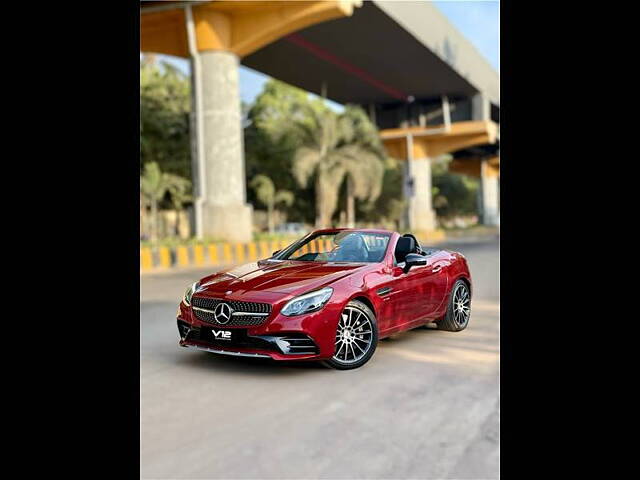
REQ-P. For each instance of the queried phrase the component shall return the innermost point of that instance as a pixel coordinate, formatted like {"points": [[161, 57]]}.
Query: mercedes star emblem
{"points": [[222, 313]]}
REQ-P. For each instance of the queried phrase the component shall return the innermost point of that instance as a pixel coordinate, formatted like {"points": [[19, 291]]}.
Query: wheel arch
{"points": [[465, 279], [361, 297]]}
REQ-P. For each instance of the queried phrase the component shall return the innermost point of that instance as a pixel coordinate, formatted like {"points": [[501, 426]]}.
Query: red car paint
{"points": [[417, 297]]}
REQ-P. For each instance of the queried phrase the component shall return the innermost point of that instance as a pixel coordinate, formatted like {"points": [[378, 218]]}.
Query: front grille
{"points": [[236, 320]]}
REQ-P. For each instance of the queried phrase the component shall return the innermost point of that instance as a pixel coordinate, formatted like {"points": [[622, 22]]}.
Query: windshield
{"points": [[338, 247]]}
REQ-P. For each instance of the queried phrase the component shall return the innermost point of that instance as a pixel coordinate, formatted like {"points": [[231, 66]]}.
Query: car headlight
{"points": [[309, 302], [189, 293]]}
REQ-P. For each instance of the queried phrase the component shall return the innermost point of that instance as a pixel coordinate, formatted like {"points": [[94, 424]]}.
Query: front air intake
{"points": [[297, 345]]}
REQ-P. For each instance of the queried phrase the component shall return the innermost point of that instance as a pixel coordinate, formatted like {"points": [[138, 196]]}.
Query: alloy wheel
{"points": [[354, 336], [461, 305]]}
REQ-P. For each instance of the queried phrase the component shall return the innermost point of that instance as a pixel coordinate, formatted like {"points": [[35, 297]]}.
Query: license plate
{"points": [[222, 335]]}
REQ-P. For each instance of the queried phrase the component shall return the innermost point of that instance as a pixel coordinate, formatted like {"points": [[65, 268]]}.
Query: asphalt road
{"points": [[425, 406]]}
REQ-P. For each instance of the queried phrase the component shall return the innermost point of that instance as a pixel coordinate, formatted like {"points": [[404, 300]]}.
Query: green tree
{"points": [[267, 194], [285, 126], [270, 144], [154, 186], [453, 194], [364, 165], [164, 117], [331, 152], [390, 206]]}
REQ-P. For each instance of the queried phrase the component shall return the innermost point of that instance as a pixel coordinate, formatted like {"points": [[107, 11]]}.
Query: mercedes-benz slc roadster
{"points": [[329, 296]]}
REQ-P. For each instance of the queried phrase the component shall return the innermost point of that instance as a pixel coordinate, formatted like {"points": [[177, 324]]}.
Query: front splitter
{"points": [[225, 352]]}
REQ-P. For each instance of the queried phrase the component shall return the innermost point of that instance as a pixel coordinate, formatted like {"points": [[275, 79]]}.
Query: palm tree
{"points": [[334, 147], [267, 194], [154, 184]]}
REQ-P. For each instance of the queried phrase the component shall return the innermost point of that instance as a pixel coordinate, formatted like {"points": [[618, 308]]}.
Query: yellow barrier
{"points": [[198, 255], [213, 253], [146, 259], [182, 256], [253, 251], [239, 253], [226, 253], [264, 250], [230, 253], [165, 257]]}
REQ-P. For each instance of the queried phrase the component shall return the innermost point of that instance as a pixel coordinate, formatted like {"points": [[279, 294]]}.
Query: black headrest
{"points": [[405, 245]]}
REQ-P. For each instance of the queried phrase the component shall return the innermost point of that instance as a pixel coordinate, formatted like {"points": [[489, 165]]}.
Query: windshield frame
{"points": [[310, 236]]}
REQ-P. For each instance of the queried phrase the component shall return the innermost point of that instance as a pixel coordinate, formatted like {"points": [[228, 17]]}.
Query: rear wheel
{"points": [[458, 310], [356, 337]]}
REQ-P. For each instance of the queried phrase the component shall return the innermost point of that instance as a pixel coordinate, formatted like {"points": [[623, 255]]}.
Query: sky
{"points": [[477, 20]]}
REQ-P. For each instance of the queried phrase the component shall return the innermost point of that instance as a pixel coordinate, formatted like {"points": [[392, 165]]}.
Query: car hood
{"points": [[284, 277]]}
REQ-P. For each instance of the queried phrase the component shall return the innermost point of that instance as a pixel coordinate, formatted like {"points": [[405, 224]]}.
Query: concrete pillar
{"points": [[489, 195], [422, 217], [480, 107], [225, 214]]}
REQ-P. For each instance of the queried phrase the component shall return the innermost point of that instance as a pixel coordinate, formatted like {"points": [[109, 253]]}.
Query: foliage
{"points": [[164, 117], [453, 194], [154, 186], [290, 133], [334, 148], [389, 208], [267, 194]]}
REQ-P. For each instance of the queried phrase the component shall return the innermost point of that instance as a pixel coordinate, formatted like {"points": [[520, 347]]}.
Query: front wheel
{"points": [[458, 310], [356, 337]]}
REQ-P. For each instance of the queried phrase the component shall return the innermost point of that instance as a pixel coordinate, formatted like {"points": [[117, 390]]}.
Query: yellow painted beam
{"points": [[472, 166], [164, 32], [234, 26], [258, 27], [469, 167], [435, 141], [213, 28]]}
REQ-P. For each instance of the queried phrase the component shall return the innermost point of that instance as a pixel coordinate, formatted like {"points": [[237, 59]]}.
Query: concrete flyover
{"points": [[420, 80]]}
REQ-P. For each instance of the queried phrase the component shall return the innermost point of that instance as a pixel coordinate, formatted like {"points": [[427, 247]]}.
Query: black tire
{"points": [[356, 339], [458, 309]]}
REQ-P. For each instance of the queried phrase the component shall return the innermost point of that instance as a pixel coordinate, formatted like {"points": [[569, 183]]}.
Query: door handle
{"points": [[436, 269]]}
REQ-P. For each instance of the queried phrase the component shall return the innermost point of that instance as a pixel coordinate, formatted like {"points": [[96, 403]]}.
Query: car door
{"points": [[393, 290], [431, 282]]}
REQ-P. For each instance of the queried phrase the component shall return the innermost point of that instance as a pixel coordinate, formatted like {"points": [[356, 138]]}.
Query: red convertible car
{"points": [[329, 296]]}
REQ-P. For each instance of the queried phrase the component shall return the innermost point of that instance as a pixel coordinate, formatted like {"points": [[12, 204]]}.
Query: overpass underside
{"points": [[376, 54]]}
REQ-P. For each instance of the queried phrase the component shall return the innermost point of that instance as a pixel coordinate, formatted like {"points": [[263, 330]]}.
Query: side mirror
{"points": [[275, 253], [412, 260]]}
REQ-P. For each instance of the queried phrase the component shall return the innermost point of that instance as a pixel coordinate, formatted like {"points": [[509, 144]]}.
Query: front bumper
{"points": [[268, 339], [278, 346]]}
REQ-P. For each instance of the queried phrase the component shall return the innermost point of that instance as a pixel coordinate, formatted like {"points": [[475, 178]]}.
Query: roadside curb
{"points": [[163, 260]]}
